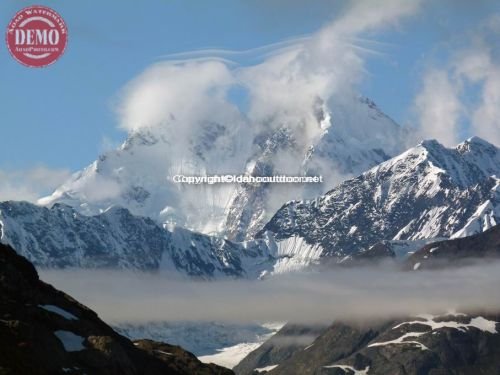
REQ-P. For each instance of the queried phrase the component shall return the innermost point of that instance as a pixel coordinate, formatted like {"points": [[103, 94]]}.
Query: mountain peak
{"points": [[430, 143], [416, 195], [476, 144]]}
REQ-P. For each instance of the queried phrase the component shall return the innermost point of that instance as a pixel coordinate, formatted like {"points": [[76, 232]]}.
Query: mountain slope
{"points": [[289, 340], [44, 331], [483, 246], [428, 191], [349, 137], [452, 343], [60, 237], [448, 344]]}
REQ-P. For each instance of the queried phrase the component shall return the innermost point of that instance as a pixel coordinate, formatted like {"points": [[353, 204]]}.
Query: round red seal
{"points": [[36, 36]]}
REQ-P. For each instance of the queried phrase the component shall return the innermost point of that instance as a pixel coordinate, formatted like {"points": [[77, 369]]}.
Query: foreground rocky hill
{"points": [[45, 331]]}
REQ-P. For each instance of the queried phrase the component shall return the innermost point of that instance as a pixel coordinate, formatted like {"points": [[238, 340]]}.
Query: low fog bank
{"points": [[358, 293]]}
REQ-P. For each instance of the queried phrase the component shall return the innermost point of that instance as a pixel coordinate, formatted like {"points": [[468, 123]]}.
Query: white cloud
{"points": [[372, 15], [30, 184], [443, 105], [168, 92], [439, 108], [477, 66], [178, 98], [486, 118], [286, 87], [187, 101]]}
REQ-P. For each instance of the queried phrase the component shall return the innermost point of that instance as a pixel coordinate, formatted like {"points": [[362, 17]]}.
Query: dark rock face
{"points": [[458, 251], [178, 359], [291, 339], [44, 331], [427, 345]]}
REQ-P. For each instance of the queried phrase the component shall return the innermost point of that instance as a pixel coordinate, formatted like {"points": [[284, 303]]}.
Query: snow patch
{"points": [[267, 368], [484, 218], [402, 340], [294, 254], [231, 356], [59, 311], [70, 341], [428, 320], [477, 322], [351, 369]]}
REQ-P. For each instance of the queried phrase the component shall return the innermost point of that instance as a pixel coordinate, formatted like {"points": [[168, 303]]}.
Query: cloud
{"points": [[231, 56], [283, 88], [362, 293], [286, 88], [189, 101], [30, 184], [480, 65], [168, 92], [439, 108], [365, 16], [464, 90]]}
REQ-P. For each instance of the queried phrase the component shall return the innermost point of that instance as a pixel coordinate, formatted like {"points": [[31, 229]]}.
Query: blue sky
{"points": [[62, 116]]}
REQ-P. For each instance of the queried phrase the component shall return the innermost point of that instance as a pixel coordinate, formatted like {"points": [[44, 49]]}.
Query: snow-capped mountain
{"points": [[60, 237], [428, 191], [350, 136]]}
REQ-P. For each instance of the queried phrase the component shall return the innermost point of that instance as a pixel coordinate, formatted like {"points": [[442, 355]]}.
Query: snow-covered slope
{"points": [[428, 191], [351, 136], [60, 237], [355, 136]]}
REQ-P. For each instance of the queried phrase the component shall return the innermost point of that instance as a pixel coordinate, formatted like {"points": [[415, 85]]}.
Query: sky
{"points": [[434, 67]]}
